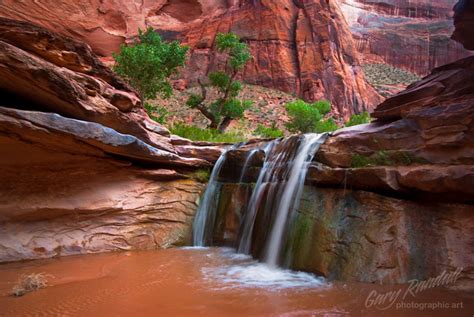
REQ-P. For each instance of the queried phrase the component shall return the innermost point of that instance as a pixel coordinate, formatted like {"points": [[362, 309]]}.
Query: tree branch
{"points": [[202, 107]]}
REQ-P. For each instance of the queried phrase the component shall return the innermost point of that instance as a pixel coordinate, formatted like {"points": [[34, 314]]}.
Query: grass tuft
{"points": [[29, 283], [357, 119], [384, 158], [195, 133], [201, 175], [268, 132]]}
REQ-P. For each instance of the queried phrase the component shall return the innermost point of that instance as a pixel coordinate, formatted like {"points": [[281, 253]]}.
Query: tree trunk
{"points": [[213, 125], [224, 124]]}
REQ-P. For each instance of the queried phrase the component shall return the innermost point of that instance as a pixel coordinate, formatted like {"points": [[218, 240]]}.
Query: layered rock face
{"points": [[83, 168], [420, 149], [300, 47], [413, 35], [386, 202], [357, 235], [464, 23]]}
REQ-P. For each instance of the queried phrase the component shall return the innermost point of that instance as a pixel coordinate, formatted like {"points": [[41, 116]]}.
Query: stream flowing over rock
{"points": [[386, 202], [84, 169]]}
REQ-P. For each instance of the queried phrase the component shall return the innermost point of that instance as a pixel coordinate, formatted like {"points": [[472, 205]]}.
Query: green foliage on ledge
{"points": [[357, 119], [201, 175], [308, 117], [268, 132], [385, 158], [156, 113], [195, 133], [227, 106]]}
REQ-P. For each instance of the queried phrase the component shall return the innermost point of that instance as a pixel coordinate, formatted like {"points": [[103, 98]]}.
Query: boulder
{"points": [[464, 23]]}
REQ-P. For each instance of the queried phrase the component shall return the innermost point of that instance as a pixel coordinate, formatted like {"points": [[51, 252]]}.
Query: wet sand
{"points": [[199, 282]]}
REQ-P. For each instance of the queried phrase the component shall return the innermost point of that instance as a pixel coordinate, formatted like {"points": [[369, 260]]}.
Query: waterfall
{"points": [[289, 200], [206, 213], [249, 218], [276, 193], [246, 165]]}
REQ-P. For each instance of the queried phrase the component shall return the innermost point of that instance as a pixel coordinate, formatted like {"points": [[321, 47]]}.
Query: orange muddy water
{"points": [[205, 282]]}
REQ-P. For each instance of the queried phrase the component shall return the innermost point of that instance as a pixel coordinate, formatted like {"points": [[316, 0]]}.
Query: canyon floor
{"points": [[269, 104]]}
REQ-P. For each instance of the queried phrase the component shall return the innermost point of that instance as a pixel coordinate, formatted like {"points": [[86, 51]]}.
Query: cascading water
{"points": [[249, 219], [247, 161], [291, 194], [277, 193], [206, 212]]}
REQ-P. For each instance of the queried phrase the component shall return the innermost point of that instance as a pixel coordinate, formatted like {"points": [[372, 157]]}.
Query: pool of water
{"points": [[202, 282]]}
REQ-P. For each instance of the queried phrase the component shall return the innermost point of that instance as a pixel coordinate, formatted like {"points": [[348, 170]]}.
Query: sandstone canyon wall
{"points": [[384, 202], [412, 35], [302, 47], [83, 168]]}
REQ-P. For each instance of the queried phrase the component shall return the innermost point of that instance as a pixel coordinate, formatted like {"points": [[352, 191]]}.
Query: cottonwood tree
{"points": [[148, 64], [308, 117], [227, 106]]}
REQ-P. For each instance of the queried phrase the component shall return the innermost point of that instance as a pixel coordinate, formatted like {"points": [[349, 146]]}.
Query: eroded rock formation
{"points": [[83, 168], [384, 202], [300, 47], [388, 201], [464, 23], [413, 35]]}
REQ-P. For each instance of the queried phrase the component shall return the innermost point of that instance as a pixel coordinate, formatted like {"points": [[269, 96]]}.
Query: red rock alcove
{"points": [[182, 10]]}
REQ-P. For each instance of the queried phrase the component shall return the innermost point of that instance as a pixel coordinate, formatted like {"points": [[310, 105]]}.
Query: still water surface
{"points": [[195, 282]]}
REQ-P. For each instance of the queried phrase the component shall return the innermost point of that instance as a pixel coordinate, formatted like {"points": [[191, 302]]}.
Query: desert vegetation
{"points": [[29, 283], [227, 106], [357, 119], [387, 79], [385, 158], [309, 117], [149, 64], [268, 132], [196, 133]]}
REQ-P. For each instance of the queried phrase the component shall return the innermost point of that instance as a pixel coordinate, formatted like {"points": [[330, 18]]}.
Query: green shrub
{"points": [[147, 65], [210, 135], [356, 119], [268, 132], [156, 113], [201, 175], [323, 106], [358, 160], [326, 126], [305, 117], [227, 106], [384, 158]]}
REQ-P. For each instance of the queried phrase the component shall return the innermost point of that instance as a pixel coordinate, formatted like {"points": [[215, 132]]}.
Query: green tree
{"points": [[227, 106], [147, 65], [268, 132], [356, 119], [156, 113], [307, 117]]}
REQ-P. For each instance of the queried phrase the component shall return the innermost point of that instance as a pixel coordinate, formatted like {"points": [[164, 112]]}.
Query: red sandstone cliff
{"points": [[413, 35], [82, 167], [302, 47]]}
